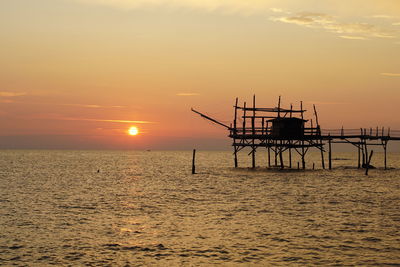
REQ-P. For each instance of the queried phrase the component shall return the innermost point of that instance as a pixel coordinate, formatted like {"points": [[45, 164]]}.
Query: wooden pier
{"points": [[280, 130]]}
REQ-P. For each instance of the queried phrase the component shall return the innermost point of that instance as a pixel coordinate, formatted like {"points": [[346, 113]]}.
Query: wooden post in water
{"points": [[269, 156], [268, 142], [281, 157], [253, 132], [193, 162], [385, 153], [290, 155], [244, 121], [366, 153], [359, 156], [303, 162], [362, 147], [235, 133], [319, 134], [368, 162], [330, 151]]}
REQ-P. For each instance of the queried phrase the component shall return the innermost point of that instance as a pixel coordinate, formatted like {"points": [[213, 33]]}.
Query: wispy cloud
{"points": [[62, 118], [360, 31], [326, 103], [224, 6], [11, 94], [390, 74], [106, 120], [187, 94], [89, 106], [382, 16], [396, 24], [352, 37], [7, 101]]}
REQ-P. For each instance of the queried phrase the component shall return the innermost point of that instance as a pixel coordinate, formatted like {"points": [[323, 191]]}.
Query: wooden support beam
{"points": [[368, 162], [235, 132], [330, 153], [303, 153], [276, 153], [385, 153], [322, 155], [279, 107], [253, 154], [281, 158], [290, 154], [194, 162]]}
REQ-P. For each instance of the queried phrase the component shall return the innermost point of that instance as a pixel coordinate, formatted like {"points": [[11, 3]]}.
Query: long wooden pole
{"points": [[253, 154], [281, 156], [385, 152], [368, 162], [330, 152], [269, 145], [290, 154], [235, 133], [319, 134], [279, 107], [193, 162], [303, 162]]}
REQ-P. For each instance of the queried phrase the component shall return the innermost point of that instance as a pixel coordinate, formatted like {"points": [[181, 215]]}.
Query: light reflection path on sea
{"points": [[145, 208]]}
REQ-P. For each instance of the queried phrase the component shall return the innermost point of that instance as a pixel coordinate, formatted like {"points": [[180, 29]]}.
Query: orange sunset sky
{"points": [[77, 74]]}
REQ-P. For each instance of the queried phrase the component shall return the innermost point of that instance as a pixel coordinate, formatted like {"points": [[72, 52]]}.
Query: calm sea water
{"points": [[113, 208]]}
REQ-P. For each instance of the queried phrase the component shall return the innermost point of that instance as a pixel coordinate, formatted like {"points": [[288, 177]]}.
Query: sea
{"points": [[146, 208]]}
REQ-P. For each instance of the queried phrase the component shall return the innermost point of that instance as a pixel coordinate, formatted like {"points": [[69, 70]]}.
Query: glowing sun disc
{"points": [[133, 130]]}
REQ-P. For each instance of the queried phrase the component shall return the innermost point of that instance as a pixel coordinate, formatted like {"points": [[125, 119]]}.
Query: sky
{"points": [[77, 74]]}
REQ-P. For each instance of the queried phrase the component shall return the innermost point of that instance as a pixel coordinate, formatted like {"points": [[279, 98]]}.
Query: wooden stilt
{"points": [[385, 154], [366, 153], [330, 152], [359, 156], [193, 162], [368, 162], [303, 162], [253, 131], [281, 158], [290, 155], [235, 133], [269, 156], [322, 155]]}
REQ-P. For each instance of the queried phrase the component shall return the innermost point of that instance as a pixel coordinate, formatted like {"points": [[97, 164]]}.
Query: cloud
{"points": [[11, 94], [396, 24], [224, 6], [306, 19], [360, 31], [89, 106], [352, 37], [96, 120], [326, 103], [7, 101], [382, 16], [390, 74], [277, 10], [187, 94]]}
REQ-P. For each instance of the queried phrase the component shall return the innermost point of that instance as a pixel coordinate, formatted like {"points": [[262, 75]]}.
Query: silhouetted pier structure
{"points": [[280, 130]]}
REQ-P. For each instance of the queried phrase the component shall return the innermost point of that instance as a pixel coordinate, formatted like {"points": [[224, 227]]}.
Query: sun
{"points": [[133, 131]]}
